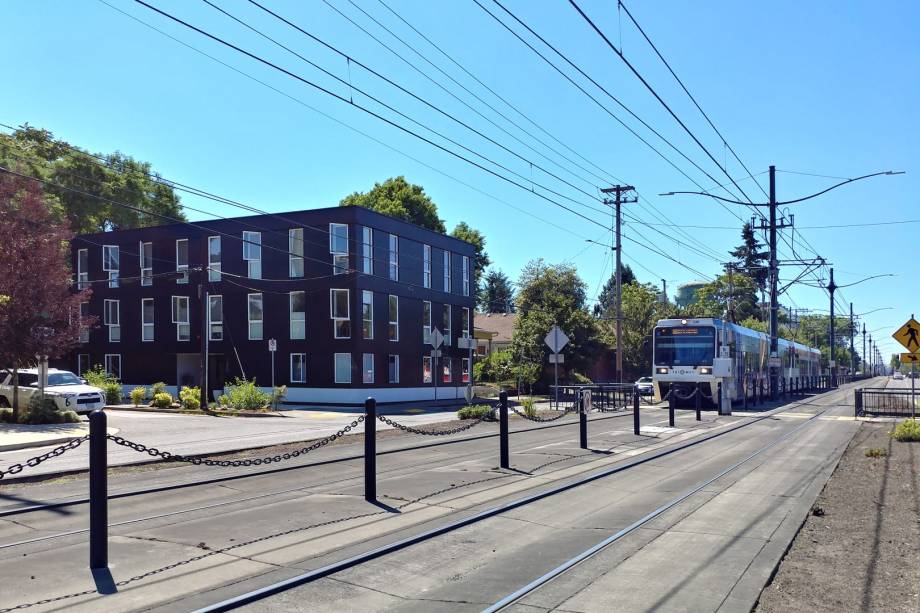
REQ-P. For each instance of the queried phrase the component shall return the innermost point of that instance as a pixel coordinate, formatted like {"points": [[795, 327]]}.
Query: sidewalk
{"points": [[26, 436]]}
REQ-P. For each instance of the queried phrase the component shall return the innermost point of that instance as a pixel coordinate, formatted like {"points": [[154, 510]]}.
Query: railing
{"points": [[604, 396], [885, 402]]}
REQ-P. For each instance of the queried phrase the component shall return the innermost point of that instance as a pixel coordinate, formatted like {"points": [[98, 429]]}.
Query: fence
{"points": [[604, 396], [885, 402]]}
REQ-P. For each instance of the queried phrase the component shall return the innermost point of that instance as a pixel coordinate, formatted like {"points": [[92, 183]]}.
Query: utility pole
{"points": [[831, 288], [865, 363], [664, 291], [852, 349], [620, 193]]}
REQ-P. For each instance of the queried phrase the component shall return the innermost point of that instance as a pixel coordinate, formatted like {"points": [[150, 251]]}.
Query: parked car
{"points": [[645, 386], [69, 392], [897, 376]]}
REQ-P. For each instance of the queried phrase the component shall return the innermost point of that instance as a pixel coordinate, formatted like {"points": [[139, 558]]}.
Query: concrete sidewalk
{"points": [[14, 437]]}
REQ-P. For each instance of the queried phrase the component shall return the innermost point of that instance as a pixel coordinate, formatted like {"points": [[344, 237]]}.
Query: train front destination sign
{"points": [[909, 335]]}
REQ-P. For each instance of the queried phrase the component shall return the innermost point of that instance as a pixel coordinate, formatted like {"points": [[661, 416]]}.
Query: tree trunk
{"points": [[15, 393]]}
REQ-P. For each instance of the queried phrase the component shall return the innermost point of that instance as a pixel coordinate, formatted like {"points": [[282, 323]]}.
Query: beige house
{"points": [[493, 331]]}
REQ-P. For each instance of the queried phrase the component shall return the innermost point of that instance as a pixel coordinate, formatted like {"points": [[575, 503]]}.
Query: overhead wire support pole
{"points": [[831, 288], [620, 198]]}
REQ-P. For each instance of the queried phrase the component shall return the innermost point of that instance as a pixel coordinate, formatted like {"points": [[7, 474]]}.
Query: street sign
{"points": [[909, 335], [272, 345], [910, 358], [465, 343], [435, 339], [556, 339], [435, 353], [557, 358]]}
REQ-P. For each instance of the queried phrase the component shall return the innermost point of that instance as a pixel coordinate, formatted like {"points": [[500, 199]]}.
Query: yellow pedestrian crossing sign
{"points": [[910, 358], [909, 335]]}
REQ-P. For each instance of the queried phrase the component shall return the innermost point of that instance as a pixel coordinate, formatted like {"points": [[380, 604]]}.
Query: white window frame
{"points": [[147, 325], [446, 323], [427, 378], [83, 365], [182, 279], [339, 252], [367, 374], [214, 266], [106, 364], [426, 321], [465, 322], [84, 329], [260, 322], [302, 357], [391, 323], [145, 264], [112, 272], [302, 333], [465, 370], [335, 367], [426, 266], [212, 323], [295, 257], [367, 314], [252, 253], [393, 257], [466, 275], [181, 326], [446, 367], [393, 377], [113, 326], [367, 250], [447, 259], [337, 318], [82, 269]]}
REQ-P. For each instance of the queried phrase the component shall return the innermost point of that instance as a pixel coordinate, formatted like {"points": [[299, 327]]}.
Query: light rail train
{"points": [[709, 351]]}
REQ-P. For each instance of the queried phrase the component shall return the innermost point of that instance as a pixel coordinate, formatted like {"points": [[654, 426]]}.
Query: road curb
{"points": [[47, 442]]}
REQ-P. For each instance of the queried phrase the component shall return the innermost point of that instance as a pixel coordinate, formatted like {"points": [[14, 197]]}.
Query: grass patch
{"points": [[907, 430], [876, 452]]}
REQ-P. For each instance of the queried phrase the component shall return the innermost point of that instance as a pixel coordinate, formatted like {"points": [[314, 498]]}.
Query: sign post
{"points": [[435, 339], [272, 348], [909, 336], [556, 340]]}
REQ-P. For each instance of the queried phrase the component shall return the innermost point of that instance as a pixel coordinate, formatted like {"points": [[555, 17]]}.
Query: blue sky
{"points": [[830, 88]]}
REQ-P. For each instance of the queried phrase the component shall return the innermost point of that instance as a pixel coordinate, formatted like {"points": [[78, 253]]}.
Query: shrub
{"points": [[6, 416], [162, 400], [278, 395], [157, 388], [45, 411], [529, 408], [190, 397], [223, 400], [96, 376], [476, 411], [138, 395], [112, 390], [907, 430], [876, 452], [70, 417], [243, 395]]}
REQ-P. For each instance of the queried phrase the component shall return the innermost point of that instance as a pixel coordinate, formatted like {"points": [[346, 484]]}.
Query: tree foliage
{"points": [[481, 261], [398, 198], [40, 315], [496, 294], [642, 308], [750, 258], [733, 297], [608, 295], [116, 176]]}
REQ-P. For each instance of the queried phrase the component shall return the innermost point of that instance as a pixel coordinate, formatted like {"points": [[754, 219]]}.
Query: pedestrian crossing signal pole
{"points": [[621, 197]]}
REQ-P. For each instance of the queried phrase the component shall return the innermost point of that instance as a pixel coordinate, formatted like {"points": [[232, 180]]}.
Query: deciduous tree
{"points": [[398, 198]]}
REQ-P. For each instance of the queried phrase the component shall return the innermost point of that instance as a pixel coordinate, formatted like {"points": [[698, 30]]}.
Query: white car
{"points": [[898, 376], [646, 386], [70, 392]]}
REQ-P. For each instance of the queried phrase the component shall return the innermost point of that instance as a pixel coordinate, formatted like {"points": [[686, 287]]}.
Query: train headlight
{"points": [[662, 371], [705, 371]]}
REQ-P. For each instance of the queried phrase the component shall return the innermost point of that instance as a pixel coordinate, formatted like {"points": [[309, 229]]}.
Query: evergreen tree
{"points": [[607, 298], [496, 295], [750, 259]]}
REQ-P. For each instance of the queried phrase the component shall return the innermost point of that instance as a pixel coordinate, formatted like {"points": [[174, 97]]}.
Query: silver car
{"points": [[645, 386]]}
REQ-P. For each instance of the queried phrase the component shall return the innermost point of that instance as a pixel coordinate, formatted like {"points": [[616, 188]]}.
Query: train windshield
{"points": [[691, 346]]}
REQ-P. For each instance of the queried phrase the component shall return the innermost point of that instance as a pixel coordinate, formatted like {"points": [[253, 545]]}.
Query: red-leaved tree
{"points": [[39, 309]]}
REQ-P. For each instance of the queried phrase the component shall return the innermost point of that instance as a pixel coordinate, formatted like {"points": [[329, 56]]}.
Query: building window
{"points": [[182, 260], [367, 314], [252, 253], [367, 250], [445, 369], [110, 263], [214, 258], [394, 318], [180, 316], [113, 365], [255, 316], [426, 265], [112, 319], [426, 322], [393, 368], [295, 247], [447, 271], [84, 329], [147, 320], [445, 323], [82, 363], [393, 257], [465, 323], [343, 368], [465, 370], [367, 367], [338, 247], [466, 276], [339, 308], [426, 369], [298, 368], [298, 307], [216, 318], [82, 269], [145, 251]]}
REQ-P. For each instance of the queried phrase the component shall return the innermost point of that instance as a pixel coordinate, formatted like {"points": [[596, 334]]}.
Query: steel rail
{"points": [[361, 558]]}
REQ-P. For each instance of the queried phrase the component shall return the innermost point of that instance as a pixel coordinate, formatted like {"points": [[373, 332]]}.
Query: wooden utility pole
{"points": [[621, 197]]}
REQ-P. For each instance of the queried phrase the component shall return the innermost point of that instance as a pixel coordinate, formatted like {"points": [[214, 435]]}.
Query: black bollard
{"points": [[636, 410], [671, 401], [370, 450], [582, 420], [699, 401], [98, 492], [504, 462], [719, 399]]}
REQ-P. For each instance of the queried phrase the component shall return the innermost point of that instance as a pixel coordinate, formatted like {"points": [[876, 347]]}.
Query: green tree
{"points": [[731, 296], [607, 297], [398, 198], [642, 308], [115, 176], [481, 261], [551, 295], [496, 295], [750, 259]]}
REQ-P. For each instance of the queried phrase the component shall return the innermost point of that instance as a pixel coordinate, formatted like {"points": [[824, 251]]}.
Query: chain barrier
{"points": [[537, 418], [689, 397], [33, 462], [412, 430], [281, 457], [663, 399]]}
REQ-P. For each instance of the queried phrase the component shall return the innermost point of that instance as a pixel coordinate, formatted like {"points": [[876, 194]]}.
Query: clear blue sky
{"points": [[826, 87]]}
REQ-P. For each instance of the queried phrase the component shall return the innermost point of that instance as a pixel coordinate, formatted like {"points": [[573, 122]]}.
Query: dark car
{"points": [[645, 386]]}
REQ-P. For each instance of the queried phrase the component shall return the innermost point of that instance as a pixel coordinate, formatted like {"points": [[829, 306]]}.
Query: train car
{"points": [[709, 351]]}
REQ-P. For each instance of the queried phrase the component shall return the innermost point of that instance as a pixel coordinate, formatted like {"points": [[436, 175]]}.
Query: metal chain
{"points": [[174, 457], [679, 397], [33, 462], [539, 419], [412, 430]]}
